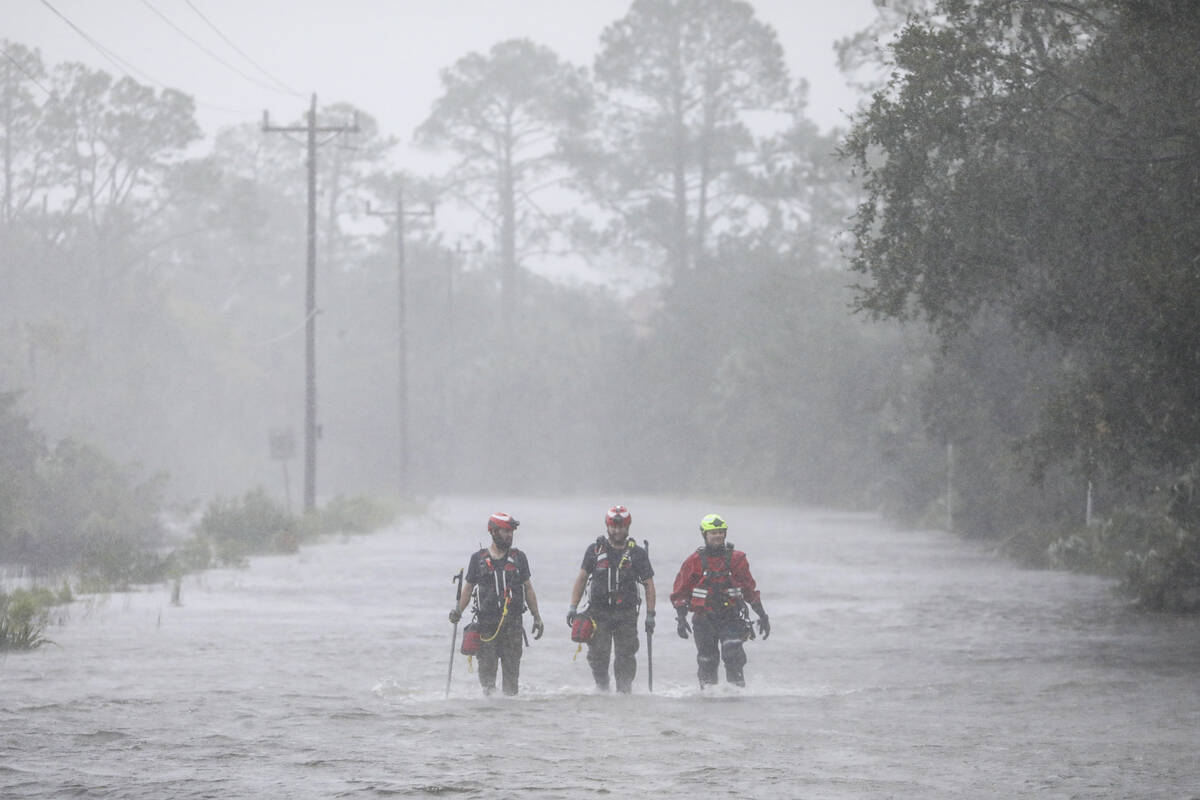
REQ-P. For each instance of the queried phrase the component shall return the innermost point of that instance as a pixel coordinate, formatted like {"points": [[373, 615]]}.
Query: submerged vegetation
{"points": [[69, 513], [24, 615], [254, 524]]}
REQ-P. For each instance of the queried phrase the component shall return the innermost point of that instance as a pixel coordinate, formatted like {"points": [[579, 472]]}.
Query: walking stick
{"points": [[649, 641], [457, 581]]}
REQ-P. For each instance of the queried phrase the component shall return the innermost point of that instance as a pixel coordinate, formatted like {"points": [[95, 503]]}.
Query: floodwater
{"points": [[901, 664]]}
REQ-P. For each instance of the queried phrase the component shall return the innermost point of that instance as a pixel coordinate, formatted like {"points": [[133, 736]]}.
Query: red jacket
{"points": [[691, 576]]}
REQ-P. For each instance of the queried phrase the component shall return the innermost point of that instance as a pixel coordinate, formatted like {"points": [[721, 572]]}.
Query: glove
{"points": [[571, 614], [681, 624], [649, 623], [455, 615], [764, 626], [537, 628]]}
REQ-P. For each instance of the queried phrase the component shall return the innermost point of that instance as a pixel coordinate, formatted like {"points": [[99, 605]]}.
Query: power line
{"points": [[124, 66], [27, 73], [113, 58], [208, 52], [240, 52]]}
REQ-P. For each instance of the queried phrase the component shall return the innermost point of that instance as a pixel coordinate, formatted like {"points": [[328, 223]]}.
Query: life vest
{"points": [[613, 583], [716, 590], [499, 583]]}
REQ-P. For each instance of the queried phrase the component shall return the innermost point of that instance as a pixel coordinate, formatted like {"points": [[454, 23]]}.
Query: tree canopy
{"points": [[505, 114], [678, 78], [1038, 164]]}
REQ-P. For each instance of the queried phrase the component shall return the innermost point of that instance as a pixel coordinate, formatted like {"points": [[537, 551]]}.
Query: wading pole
{"points": [[649, 642], [457, 581]]}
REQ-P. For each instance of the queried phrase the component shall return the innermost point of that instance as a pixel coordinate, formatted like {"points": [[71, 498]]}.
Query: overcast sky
{"points": [[381, 55]]}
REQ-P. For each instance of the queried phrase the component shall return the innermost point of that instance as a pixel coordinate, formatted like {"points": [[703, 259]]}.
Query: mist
{"points": [[907, 359], [562, 332], [647, 269]]}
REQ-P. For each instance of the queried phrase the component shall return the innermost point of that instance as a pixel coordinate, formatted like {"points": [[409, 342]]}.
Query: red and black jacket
{"points": [[712, 582]]}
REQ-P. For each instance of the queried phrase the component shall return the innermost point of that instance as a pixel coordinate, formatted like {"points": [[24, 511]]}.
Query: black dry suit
{"points": [[499, 603], [613, 601]]}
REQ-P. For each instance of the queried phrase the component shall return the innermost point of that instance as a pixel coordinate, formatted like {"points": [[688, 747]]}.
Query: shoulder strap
{"points": [[627, 556]]}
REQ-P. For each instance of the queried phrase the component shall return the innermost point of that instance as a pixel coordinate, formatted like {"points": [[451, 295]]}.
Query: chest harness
{"points": [[608, 579], [501, 591], [716, 591], [605, 583]]}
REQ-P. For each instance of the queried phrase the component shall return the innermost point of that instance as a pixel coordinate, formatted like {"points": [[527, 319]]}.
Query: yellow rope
{"points": [[503, 616], [580, 647]]}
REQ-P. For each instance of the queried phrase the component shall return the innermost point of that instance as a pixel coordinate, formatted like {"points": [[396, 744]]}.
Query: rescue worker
{"points": [[715, 584], [500, 572], [616, 565]]}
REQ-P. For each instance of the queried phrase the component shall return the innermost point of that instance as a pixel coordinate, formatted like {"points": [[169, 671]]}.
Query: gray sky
{"points": [[381, 55]]}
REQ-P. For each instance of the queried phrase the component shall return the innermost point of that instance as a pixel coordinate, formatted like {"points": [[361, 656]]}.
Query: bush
{"points": [[85, 513], [23, 618], [1157, 560], [356, 514], [252, 525], [192, 555], [1160, 559], [111, 558]]}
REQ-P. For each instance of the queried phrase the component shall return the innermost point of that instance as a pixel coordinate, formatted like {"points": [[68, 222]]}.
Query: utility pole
{"points": [[310, 298], [402, 336], [950, 487]]}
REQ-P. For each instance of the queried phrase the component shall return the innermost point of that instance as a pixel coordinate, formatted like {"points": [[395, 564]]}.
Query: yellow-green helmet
{"points": [[712, 522]]}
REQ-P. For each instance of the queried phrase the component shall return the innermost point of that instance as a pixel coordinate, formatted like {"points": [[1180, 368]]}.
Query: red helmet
{"points": [[618, 517], [502, 521]]}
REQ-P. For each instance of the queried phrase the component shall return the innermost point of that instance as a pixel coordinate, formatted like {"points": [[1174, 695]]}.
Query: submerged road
{"points": [[901, 664]]}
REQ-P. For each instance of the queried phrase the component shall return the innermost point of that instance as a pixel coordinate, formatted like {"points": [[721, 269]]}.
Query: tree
{"points": [[506, 114], [22, 77], [112, 143], [21, 450], [677, 79], [1040, 162], [350, 173], [862, 54]]}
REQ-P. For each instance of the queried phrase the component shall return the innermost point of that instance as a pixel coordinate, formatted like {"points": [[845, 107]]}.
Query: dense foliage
{"points": [[70, 508], [1031, 173]]}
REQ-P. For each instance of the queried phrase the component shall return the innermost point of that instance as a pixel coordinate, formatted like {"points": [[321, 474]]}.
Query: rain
{"points": [[369, 372]]}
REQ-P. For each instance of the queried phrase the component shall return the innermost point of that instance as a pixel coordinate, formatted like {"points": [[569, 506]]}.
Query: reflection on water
{"points": [[900, 664]]}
